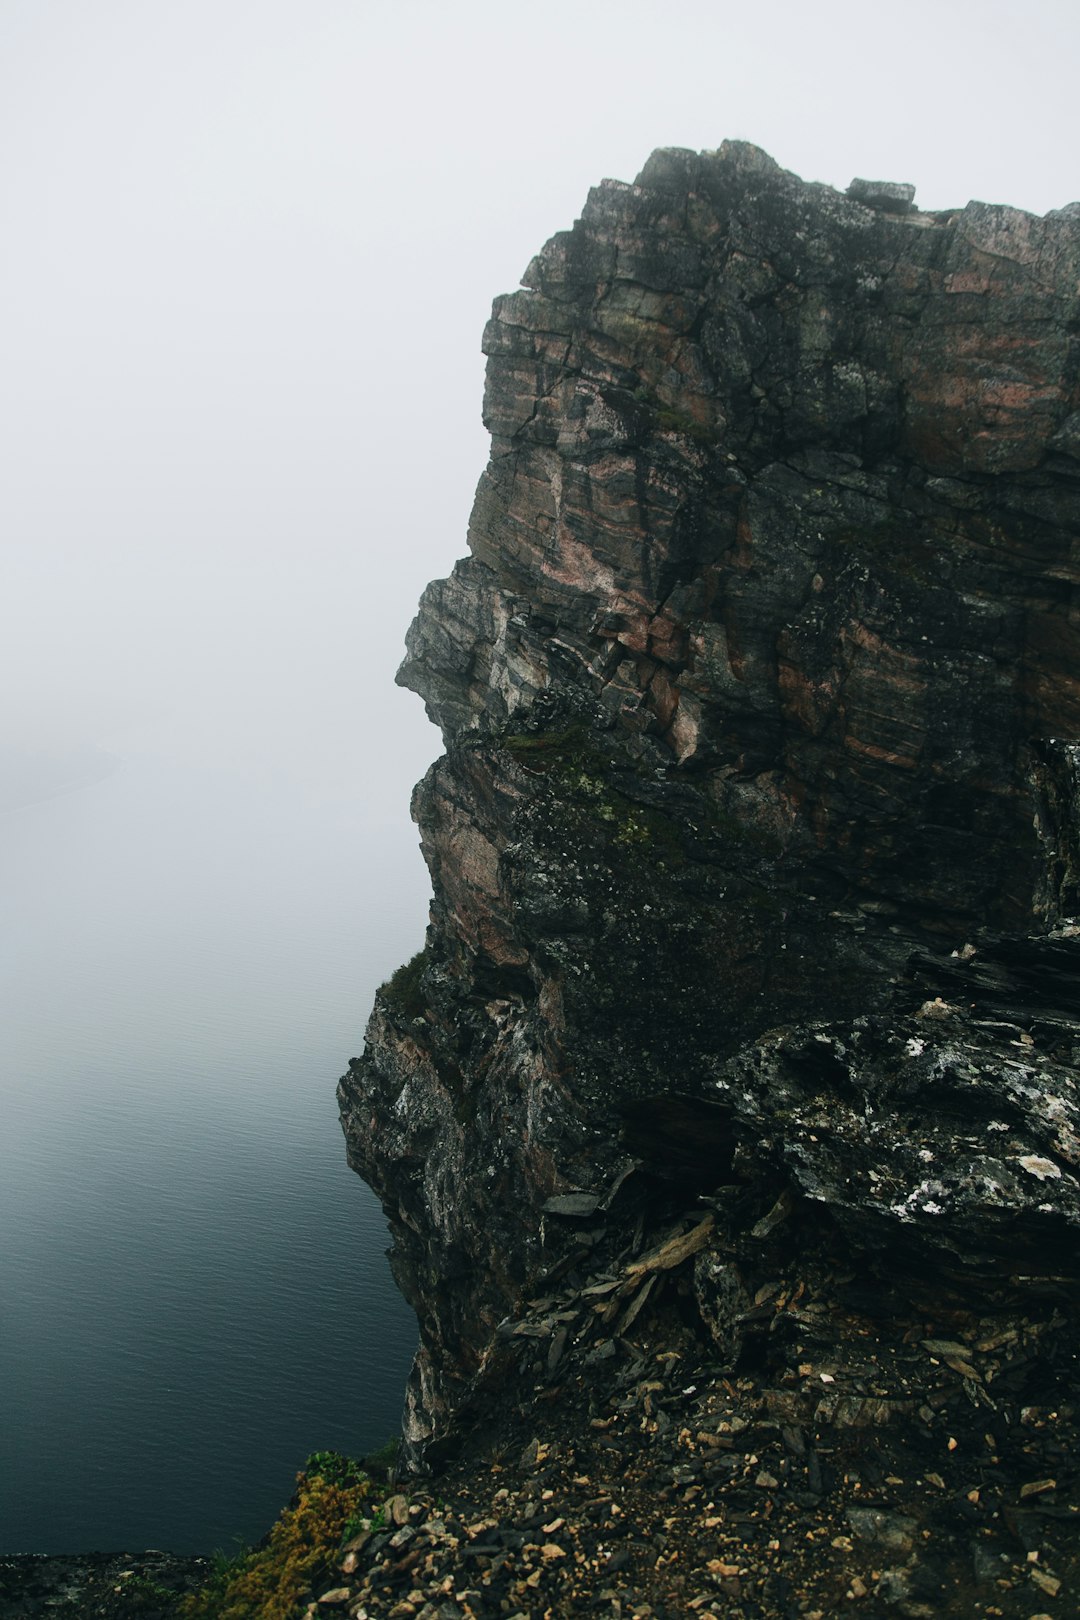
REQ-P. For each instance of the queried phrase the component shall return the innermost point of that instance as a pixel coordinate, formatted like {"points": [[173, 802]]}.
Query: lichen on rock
{"points": [[760, 695]]}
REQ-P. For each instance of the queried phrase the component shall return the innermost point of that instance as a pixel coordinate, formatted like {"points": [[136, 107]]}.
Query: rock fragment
{"points": [[890, 196]]}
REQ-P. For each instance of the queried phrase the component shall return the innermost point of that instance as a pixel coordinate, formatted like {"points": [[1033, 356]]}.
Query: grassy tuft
{"points": [[403, 992]]}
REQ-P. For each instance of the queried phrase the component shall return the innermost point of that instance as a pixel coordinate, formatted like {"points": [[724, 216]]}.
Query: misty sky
{"points": [[249, 247]]}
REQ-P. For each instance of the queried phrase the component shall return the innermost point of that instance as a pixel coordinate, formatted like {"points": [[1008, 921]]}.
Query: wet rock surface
{"points": [[875, 1450], [97, 1586], [728, 1125]]}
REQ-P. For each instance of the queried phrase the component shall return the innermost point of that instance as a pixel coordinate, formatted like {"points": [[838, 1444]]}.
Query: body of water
{"points": [[193, 1288]]}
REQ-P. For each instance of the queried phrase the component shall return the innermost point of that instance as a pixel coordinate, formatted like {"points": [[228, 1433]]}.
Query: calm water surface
{"points": [[193, 1286]]}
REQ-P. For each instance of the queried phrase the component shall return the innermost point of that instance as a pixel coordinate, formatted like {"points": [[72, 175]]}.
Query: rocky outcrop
{"points": [[755, 845], [98, 1586]]}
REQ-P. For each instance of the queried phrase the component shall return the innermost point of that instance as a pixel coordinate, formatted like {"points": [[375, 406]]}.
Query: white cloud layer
{"points": [[250, 246]]}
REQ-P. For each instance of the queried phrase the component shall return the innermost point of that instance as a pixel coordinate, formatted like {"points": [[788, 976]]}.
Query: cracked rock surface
{"points": [[728, 1125], [755, 851]]}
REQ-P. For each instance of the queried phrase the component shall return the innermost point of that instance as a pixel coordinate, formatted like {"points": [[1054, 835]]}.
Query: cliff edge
{"points": [[746, 1028]]}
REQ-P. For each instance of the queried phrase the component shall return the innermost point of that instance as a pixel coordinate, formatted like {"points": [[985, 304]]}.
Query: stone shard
{"points": [[579, 1205], [891, 196], [755, 846]]}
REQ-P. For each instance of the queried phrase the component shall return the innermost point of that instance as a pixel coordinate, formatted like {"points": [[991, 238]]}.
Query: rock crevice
{"points": [[755, 842]]}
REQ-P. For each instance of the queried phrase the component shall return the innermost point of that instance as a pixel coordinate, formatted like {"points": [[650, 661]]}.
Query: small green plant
{"points": [[140, 1594], [402, 991], [359, 1521], [384, 1459], [352, 1527], [224, 1563], [207, 1603], [335, 1468], [632, 832]]}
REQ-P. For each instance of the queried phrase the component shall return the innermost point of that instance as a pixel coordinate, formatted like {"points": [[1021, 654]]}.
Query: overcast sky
{"points": [[248, 249]]}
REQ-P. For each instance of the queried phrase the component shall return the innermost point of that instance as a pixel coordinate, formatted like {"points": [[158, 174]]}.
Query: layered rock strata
{"points": [[755, 846]]}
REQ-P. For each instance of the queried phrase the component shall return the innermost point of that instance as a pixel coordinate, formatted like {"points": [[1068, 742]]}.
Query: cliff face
{"points": [[755, 845]]}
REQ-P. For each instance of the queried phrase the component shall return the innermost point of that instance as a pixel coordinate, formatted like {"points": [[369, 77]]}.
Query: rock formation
{"points": [[755, 845]]}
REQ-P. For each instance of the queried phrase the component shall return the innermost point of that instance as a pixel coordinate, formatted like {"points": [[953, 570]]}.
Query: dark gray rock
{"points": [[755, 846], [576, 1205], [891, 196]]}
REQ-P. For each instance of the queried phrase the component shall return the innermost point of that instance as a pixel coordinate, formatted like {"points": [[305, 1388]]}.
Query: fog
{"points": [[249, 249]]}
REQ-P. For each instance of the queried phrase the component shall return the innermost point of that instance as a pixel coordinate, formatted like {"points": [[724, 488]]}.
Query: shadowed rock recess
{"points": [[740, 1063]]}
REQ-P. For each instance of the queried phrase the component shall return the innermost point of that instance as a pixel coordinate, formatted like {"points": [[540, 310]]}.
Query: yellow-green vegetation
{"points": [[273, 1581], [546, 750], [379, 1463], [582, 771], [571, 758]]}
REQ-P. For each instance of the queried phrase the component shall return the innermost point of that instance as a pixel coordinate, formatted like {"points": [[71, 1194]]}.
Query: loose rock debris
{"points": [[865, 1455], [851, 1448], [863, 1452]]}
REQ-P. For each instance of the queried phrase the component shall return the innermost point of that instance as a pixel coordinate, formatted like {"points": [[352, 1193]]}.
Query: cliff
{"points": [[748, 1015]]}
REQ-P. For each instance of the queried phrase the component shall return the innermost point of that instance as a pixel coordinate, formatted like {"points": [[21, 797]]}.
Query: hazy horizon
{"points": [[250, 247]]}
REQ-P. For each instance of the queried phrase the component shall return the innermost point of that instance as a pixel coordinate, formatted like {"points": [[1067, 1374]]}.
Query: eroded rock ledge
{"points": [[755, 844]]}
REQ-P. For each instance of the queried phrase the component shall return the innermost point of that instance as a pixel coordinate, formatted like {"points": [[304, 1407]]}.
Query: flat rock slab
{"points": [[891, 196]]}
